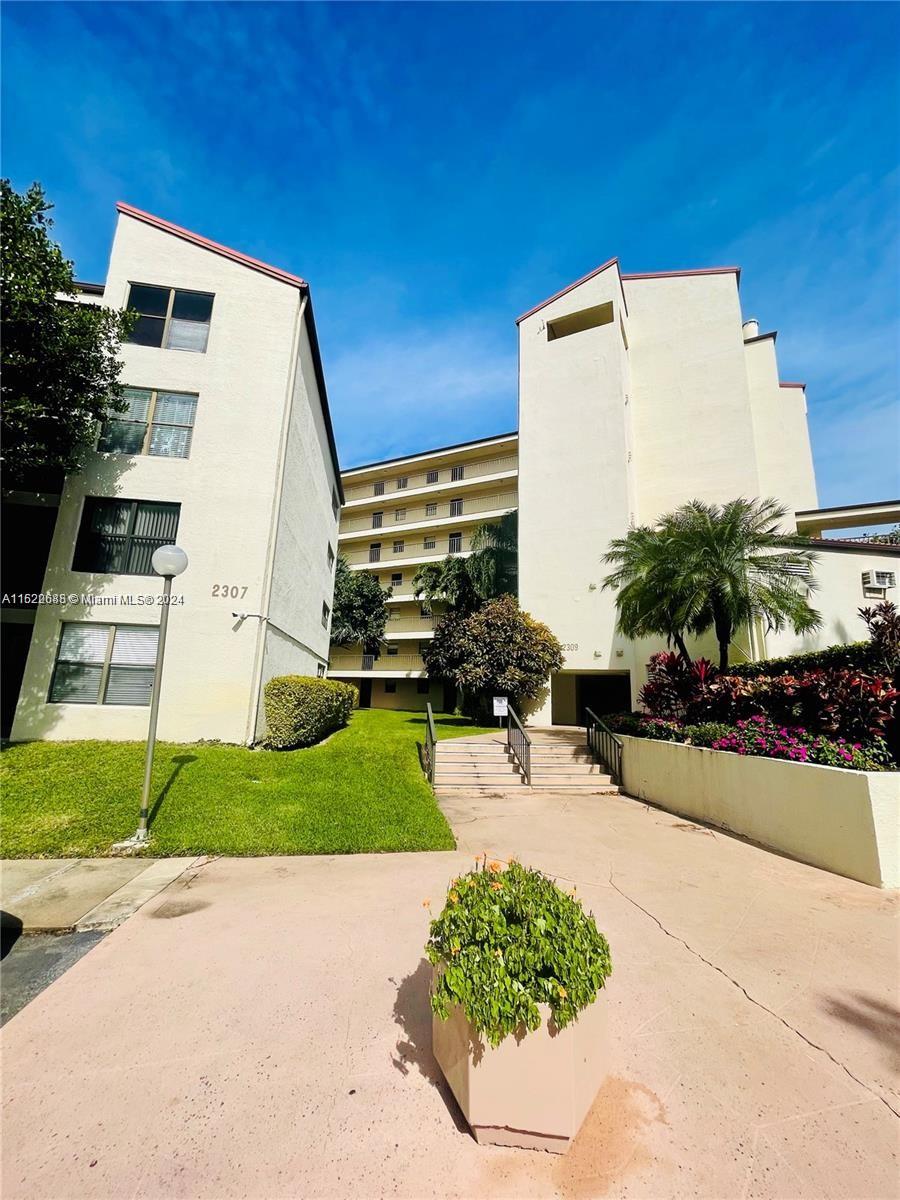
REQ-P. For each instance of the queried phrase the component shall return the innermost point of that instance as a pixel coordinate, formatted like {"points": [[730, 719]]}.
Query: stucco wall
{"points": [[225, 489], [574, 473], [844, 821], [691, 406], [780, 432]]}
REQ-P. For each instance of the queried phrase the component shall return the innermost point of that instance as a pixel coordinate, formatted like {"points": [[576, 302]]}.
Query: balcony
{"points": [[416, 480], [411, 625], [438, 512], [384, 555], [399, 665]]}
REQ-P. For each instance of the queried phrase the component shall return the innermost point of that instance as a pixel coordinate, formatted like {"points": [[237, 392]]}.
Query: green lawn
{"points": [[362, 790]]}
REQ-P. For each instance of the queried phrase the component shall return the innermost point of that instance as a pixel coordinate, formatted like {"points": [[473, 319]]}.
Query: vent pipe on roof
{"points": [[751, 329]]}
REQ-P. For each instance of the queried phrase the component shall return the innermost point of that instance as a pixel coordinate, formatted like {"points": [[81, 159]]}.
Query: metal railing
{"points": [[368, 662], [428, 751], [388, 557], [418, 479], [444, 510], [604, 745], [518, 742]]}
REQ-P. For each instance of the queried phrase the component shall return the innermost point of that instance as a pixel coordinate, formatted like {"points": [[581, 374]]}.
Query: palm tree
{"points": [[446, 583], [493, 564], [709, 566]]}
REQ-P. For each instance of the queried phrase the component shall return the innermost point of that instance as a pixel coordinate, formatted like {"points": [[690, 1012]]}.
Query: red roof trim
{"points": [[799, 385], [694, 271], [590, 275], [235, 255]]}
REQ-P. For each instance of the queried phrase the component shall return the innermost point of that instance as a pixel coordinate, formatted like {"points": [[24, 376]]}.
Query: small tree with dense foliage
{"points": [[447, 584], [496, 650], [494, 562], [359, 615], [60, 360], [710, 566]]}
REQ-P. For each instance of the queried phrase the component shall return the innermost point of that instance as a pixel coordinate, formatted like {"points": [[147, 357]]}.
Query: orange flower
{"points": [[454, 897], [496, 866], [426, 903], [497, 886]]}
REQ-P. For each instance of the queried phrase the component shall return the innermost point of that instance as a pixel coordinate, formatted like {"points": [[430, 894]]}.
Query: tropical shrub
{"points": [[300, 710], [674, 682], [496, 650], [761, 737], [508, 941], [880, 653]]}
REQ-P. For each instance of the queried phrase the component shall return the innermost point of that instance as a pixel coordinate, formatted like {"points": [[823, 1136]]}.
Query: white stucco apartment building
{"points": [[638, 393], [227, 449]]}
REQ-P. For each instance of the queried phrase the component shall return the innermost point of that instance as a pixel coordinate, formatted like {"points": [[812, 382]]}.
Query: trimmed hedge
{"points": [[857, 656], [301, 710]]}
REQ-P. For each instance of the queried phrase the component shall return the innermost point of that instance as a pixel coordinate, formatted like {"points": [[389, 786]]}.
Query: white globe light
{"points": [[169, 561]]}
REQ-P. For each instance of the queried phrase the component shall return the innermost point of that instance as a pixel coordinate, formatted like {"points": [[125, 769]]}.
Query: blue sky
{"points": [[434, 170]]}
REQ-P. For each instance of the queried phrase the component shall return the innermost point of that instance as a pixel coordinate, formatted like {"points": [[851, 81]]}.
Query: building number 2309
{"points": [[228, 591]]}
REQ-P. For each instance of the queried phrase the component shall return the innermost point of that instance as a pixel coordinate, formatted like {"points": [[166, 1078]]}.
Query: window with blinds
{"points": [[118, 537], [170, 317], [156, 422], [104, 664]]}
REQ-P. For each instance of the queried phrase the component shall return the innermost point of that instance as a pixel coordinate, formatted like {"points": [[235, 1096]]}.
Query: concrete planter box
{"points": [[845, 821], [532, 1090]]}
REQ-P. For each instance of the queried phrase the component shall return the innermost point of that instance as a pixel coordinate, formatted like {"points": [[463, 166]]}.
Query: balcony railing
{"points": [[419, 548], [367, 662], [419, 478], [443, 509], [423, 625]]}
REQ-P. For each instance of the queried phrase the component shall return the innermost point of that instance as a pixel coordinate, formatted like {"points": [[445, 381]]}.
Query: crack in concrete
{"points": [[758, 1003]]}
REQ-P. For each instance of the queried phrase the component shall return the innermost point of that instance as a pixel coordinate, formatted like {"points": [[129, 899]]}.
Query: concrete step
{"points": [[592, 788], [550, 778], [476, 782]]}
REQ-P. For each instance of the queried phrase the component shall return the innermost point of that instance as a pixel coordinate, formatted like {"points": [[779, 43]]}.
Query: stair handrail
{"points": [[430, 742], [518, 742], [603, 744]]}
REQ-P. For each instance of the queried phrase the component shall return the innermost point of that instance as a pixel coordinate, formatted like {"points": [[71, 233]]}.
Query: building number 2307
{"points": [[228, 591]]}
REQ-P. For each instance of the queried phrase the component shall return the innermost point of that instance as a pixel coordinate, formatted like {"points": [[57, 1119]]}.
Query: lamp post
{"points": [[167, 561]]}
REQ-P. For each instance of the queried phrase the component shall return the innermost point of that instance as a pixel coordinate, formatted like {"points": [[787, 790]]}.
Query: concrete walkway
{"points": [[261, 1029], [59, 895]]}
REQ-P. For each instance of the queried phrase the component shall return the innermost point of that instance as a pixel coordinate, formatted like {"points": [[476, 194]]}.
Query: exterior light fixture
{"points": [[167, 561]]}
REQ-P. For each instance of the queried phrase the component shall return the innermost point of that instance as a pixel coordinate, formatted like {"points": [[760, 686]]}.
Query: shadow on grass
{"points": [[412, 1012], [458, 721], [181, 760]]}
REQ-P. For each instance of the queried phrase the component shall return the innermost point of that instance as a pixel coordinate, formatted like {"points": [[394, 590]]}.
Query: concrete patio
{"points": [[261, 1029]]}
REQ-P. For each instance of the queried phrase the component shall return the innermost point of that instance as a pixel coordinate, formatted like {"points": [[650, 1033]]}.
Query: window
{"points": [[457, 473], [320, 670], [398, 546], [377, 519], [578, 322], [375, 552], [432, 477], [428, 543], [330, 556], [430, 510], [390, 686], [396, 579], [399, 514], [326, 613], [455, 543], [393, 651], [456, 508], [335, 503], [158, 423], [104, 664], [119, 536], [423, 686], [170, 317], [402, 482], [378, 489]]}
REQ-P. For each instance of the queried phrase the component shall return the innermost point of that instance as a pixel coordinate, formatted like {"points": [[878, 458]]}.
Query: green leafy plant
{"points": [[508, 941], [496, 650], [60, 359], [301, 710], [359, 613]]}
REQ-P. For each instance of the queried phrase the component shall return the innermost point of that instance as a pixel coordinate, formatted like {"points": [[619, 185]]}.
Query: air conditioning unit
{"points": [[879, 579]]}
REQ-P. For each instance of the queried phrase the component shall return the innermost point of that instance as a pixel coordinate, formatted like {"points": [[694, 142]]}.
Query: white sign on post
{"points": [[501, 706]]}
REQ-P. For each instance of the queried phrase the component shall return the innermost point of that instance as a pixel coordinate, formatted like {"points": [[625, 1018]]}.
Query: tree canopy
{"points": [[60, 359], [359, 615], [461, 584], [496, 650], [709, 566]]}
